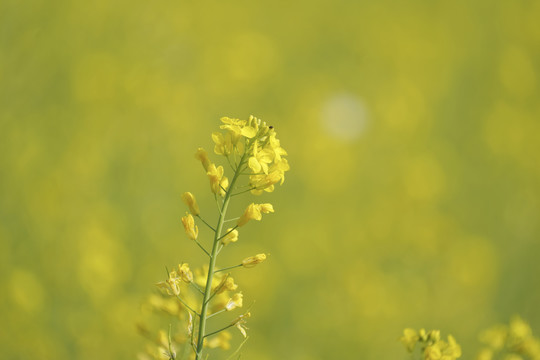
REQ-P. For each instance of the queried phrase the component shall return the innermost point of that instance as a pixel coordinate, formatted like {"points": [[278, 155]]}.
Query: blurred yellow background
{"points": [[413, 198]]}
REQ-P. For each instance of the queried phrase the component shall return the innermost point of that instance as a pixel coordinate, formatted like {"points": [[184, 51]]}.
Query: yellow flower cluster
{"points": [[514, 341], [255, 139], [252, 150], [172, 284], [254, 212], [432, 347]]}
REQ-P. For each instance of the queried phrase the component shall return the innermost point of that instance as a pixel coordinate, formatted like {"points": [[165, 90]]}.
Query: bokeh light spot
{"points": [[344, 116]]}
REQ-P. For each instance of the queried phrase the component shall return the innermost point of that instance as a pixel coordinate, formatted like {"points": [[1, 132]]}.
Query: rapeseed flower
{"points": [[218, 182], [224, 143], [240, 323], [255, 155], [202, 156], [185, 273], [171, 285], [191, 202], [192, 231], [409, 339], [235, 302], [251, 261], [254, 212]]}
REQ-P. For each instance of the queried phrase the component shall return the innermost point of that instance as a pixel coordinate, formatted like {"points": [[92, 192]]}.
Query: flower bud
{"points": [[192, 231], [253, 260], [191, 202], [202, 156]]}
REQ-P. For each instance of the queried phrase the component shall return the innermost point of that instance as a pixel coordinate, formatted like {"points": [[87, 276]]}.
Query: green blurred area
{"points": [[413, 198]]}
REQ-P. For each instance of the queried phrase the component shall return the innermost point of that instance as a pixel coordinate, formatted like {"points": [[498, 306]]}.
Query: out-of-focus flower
{"points": [[221, 340], [202, 156], [232, 236], [409, 338]]}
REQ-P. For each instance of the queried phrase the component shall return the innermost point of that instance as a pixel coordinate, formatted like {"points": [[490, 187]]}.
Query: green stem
{"points": [[212, 263]]}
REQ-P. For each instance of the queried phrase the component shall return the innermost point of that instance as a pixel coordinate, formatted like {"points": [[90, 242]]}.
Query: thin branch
{"points": [[197, 287], [245, 191], [228, 232], [202, 248], [228, 268], [216, 313], [220, 330], [229, 161], [207, 224], [187, 306]]}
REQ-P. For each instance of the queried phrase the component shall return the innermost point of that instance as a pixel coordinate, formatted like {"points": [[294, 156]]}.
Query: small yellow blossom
{"points": [[234, 302], [434, 335], [240, 323], [185, 273], [260, 159], [191, 202], [274, 144], [191, 229], [409, 338], [224, 143], [432, 352], [253, 260], [264, 182], [218, 182], [266, 208], [202, 156], [253, 212], [233, 125], [171, 285], [232, 236], [227, 285], [453, 350]]}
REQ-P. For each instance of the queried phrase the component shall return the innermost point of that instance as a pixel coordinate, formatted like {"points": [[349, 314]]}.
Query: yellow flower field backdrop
{"points": [[413, 198]]}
